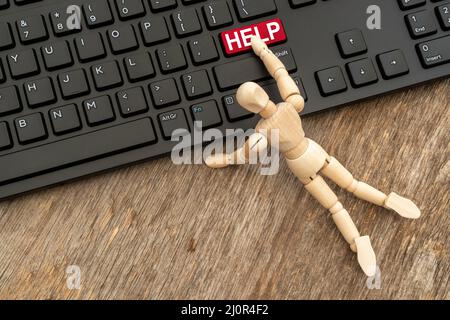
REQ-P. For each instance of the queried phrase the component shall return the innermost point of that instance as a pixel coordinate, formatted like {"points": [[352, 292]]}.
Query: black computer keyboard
{"points": [[79, 99]]}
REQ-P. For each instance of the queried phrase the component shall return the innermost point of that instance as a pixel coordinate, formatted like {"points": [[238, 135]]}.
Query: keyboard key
{"points": [[9, 100], [238, 40], [122, 39], [233, 74], [186, 22], [5, 136], [392, 64], [252, 9], [32, 29], [22, 2], [98, 110], [421, 24], [63, 22], [154, 30], [6, 38], [208, 113], [217, 15], [186, 2], [139, 67], [173, 121], [409, 4], [362, 72], [435, 52], [301, 3], [4, 4], [97, 13], [2, 73], [129, 9], [65, 119], [57, 55], [331, 81], [30, 128], [299, 83], [171, 59], [274, 93], [73, 84], [443, 13], [161, 5], [132, 102], [39, 92], [196, 84], [203, 50], [78, 149], [90, 47], [164, 93], [233, 110], [351, 43], [106, 75], [23, 64]]}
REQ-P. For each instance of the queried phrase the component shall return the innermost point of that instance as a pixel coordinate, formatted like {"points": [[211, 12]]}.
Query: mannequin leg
{"points": [[319, 189], [343, 178]]}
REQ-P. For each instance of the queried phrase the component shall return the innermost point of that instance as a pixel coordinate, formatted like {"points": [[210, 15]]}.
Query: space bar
{"points": [[75, 150]]}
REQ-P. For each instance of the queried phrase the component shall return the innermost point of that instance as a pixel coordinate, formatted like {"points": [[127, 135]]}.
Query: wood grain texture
{"points": [[159, 231]]}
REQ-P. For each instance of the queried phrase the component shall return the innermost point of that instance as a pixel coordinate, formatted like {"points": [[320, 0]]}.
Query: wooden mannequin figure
{"points": [[306, 159]]}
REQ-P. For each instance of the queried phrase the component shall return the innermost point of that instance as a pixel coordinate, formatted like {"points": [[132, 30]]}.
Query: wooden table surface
{"points": [[160, 231]]}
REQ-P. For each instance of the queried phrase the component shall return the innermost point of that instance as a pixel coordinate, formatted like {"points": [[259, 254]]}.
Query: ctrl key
{"points": [[30, 128], [5, 137], [171, 121]]}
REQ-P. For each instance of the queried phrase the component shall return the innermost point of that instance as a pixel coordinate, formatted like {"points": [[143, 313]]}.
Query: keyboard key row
{"points": [[66, 119], [186, 22], [58, 55], [361, 72]]}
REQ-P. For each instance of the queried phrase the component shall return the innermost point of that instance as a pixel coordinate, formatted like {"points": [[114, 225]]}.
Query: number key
{"points": [[421, 24], [97, 13], [409, 4], [66, 20], [444, 15], [129, 9], [32, 29]]}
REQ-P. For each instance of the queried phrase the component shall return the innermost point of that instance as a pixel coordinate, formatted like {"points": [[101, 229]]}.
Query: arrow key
{"points": [[351, 43], [331, 81], [362, 72], [132, 102], [392, 64]]}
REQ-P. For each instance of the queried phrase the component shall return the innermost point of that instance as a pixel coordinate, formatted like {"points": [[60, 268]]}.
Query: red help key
{"points": [[239, 40]]}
